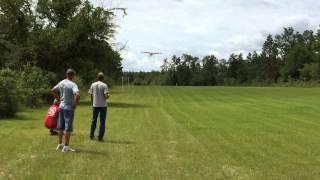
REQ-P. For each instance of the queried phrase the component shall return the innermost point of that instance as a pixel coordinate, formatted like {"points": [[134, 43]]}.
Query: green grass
{"points": [[176, 133]]}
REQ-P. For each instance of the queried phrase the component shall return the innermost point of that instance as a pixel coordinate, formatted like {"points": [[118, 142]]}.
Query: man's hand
{"points": [[107, 96], [56, 102]]}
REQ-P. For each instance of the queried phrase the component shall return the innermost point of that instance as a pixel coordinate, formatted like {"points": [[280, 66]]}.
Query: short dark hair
{"points": [[70, 72], [100, 76]]}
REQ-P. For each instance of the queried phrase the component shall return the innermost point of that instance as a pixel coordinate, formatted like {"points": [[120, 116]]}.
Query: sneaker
{"points": [[67, 148], [53, 133], [60, 147], [100, 140]]}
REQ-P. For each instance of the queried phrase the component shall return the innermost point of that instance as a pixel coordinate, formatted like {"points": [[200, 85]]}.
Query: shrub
{"points": [[8, 93], [35, 85], [230, 81]]}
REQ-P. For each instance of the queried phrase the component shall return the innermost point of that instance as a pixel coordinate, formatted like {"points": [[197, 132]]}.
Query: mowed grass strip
{"points": [[176, 133]]}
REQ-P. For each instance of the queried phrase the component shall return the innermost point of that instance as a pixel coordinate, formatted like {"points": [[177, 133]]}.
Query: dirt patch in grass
{"points": [[237, 172], [4, 174]]}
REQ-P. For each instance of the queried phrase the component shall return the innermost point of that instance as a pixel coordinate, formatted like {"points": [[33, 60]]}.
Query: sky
{"points": [[203, 27]]}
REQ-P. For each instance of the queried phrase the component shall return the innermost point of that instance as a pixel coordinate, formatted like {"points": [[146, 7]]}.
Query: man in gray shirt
{"points": [[68, 94], [99, 93]]}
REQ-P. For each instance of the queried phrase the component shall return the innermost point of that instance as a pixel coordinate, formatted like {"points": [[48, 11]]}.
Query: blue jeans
{"points": [[103, 116], [65, 121]]}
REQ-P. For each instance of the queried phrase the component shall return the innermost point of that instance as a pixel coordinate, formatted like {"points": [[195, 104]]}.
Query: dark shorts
{"points": [[65, 121]]}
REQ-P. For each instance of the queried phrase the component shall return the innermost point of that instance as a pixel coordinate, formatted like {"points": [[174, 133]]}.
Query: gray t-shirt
{"points": [[99, 90], [67, 90]]}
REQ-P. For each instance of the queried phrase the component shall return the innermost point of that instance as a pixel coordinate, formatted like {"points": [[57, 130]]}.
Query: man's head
{"points": [[100, 76], [70, 74]]}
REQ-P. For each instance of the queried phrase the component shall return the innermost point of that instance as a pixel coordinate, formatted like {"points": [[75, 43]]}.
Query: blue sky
{"points": [[203, 27]]}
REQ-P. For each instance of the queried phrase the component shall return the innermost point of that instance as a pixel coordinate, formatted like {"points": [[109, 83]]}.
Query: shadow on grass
{"points": [[90, 152], [120, 142], [18, 118], [128, 105], [120, 105], [203, 129]]}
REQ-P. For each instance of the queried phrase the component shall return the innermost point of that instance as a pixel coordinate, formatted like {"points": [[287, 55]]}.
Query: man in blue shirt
{"points": [[68, 94]]}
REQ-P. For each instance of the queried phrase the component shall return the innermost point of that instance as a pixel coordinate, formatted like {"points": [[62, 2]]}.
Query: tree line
{"points": [[286, 57]]}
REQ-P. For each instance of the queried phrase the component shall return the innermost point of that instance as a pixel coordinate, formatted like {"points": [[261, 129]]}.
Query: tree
{"points": [[295, 60], [210, 70], [270, 56], [222, 68], [8, 93], [58, 35], [16, 20], [309, 72], [42, 82], [238, 68]]}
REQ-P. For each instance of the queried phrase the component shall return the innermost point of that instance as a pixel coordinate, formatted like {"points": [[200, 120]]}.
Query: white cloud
{"points": [[204, 27]]}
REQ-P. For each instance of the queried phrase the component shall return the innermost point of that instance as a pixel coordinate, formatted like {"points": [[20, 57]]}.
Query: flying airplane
{"points": [[150, 53]]}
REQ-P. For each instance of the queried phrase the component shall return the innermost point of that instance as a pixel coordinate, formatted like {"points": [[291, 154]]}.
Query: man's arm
{"points": [[106, 92], [55, 94], [91, 93], [77, 99]]}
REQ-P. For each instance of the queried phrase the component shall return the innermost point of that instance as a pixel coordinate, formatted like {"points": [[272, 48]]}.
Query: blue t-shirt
{"points": [[67, 90]]}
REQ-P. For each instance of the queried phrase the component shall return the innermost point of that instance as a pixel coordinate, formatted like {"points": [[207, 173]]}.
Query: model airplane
{"points": [[151, 53]]}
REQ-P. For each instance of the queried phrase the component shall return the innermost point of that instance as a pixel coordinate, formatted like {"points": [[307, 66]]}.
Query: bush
{"points": [[8, 93], [230, 81], [35, 85], [139, 82]]}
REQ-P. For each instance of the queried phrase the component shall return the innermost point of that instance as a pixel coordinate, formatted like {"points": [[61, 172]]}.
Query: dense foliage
{"points": [[57, 34], [28, 87], [8, 93], [142, 78], [35, 85], [40, 39], [285, 58]]}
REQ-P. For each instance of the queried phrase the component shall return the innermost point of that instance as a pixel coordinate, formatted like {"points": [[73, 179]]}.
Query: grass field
{"points": [[176, 133]]}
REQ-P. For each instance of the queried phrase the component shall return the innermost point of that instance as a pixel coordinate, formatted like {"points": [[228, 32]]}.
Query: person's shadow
{"points": [[119, 142], [101, 153], [127, 105], [120, 105], [91, 152]]}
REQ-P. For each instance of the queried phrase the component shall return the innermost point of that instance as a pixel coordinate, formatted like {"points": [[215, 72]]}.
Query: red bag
{"points": [[51, 120]]}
